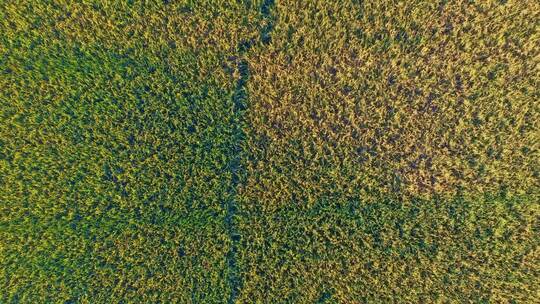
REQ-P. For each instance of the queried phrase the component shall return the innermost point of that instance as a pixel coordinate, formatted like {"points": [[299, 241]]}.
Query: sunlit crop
{"points": [[224, 151]]}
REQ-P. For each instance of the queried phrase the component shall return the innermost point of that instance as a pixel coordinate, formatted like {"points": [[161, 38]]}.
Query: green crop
{"points": [[116, 141], [224, 151]]}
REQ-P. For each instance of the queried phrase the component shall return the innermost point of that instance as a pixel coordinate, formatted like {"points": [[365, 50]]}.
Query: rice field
{"points": [[269, 151]]}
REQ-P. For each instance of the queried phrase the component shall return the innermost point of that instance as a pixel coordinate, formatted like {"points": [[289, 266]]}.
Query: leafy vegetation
{"points": [[392, 154], [116, 142], [224, 151]]}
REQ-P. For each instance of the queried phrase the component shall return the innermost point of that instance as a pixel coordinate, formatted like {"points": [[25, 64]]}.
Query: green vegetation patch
{"points": [[116, 143], [340, 251], [225, 151]]}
